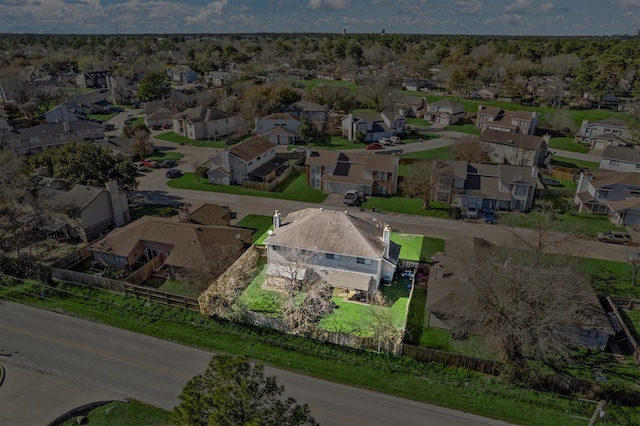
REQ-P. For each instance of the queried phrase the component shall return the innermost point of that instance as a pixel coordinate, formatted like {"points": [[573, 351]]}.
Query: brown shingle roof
{"points": [[512, 139], [603, 178], [251, 148]]}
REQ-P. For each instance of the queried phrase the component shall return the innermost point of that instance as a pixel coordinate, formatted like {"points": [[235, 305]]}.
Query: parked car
{"points": [[472, 211], [394, 139], [155, 127], [352, 197], [150, 163], [139, 166], [374, 146], [167, 164], [173, 173], [489, 216], [615, 237], [130, 117], [116, 109], [299, 149], [109, 127], [384, 141], [166, 126], [127, 122]]}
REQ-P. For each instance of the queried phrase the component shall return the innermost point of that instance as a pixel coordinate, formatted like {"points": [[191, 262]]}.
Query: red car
{"points": [[150, 163], [374, 146]]}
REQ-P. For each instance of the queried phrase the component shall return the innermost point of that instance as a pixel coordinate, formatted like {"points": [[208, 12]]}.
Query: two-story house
{"points": [[78, 107], [314, 111], [182, 74], [615, 194], [91, 211], [281, 128], [34, 139], [348, 250], [217, 78], [444, 111], [204, 122], [517, 149], [371, 127], [338, 172], [620, 159], [184, 242], [600, 134], [94, 80], [242, 162], [488, 186], [494, 118]]}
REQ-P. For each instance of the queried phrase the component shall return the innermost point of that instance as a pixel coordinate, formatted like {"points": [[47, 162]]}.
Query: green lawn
{"points": [[102, 117], [138, 210], [256, 299], [311, 83], [174, 137], [293, 188], [417, 121], [606, 276], [127, 413], [406, 205], [576, 223], [557, 160], [417, 247], [567, 144], [260, 223], [178, 287], [463, 128], [162, 155]]}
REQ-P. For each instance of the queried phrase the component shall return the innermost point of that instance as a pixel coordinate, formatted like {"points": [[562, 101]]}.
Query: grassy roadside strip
{"points": [[432, 383]]}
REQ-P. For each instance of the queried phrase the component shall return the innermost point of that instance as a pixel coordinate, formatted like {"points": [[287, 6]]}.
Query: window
{"points": [[333, 256], [614, 163], [258, 159], [521, 190], [363, 261]]}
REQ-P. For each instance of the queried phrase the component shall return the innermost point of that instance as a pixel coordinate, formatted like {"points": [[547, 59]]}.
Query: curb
{"points": [[83, 408]]}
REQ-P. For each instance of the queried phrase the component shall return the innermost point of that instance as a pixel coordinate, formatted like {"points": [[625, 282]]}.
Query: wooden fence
{"points": [[554, 192], [90, 280], [447, 358], [267, 186], [631, 342], [140, 275], [158, 296], [74, 258], [626, 302]]}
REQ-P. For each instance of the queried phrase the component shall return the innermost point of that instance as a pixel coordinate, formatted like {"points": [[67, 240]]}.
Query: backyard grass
{"points": [[140, 209], [293, 188], [632, 320], [417, 247], [606, 276], [470, 129], [260, 223], [256, 299], [120, 413], [178, 287], [572, 163], [405, 378], [174, 137], [567, 144]]}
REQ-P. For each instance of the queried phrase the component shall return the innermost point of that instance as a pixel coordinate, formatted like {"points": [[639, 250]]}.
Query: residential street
{"points": [[56, 362]]}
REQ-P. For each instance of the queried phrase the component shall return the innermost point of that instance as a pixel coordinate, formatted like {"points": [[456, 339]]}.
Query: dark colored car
{"points": [[173, 173], [167, 164], [489, 216]]}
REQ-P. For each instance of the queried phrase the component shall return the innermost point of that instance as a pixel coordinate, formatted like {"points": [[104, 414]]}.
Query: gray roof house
{"points": [[33, 139], [266, 125], [313, 110], [496, 118], [615, 194], [94, 79], [204, 122], [373, 126], [444, 111], [217, 78], [253, 160], [77, 107], [182, 74], [488, 186], [516, 148], [446, 297], [348, 250], [334, 171], [159, 117], [620, 159], [600, 134]]}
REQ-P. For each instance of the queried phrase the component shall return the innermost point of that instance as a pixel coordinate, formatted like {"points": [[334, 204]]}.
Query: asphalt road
{"points": [[53, 361]]}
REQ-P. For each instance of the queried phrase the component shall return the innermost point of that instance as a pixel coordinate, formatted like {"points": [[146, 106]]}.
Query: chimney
{"points": [[184, 214], [277, 220], [386, 237], [118, 206], [534, 171]]}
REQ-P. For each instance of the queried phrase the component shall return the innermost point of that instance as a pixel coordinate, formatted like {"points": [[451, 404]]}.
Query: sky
{"points": [[473, 17]]}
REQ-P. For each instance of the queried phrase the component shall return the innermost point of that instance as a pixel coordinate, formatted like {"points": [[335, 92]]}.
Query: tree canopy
{"points": [[234, 392], [152, 86], [87, 164]]}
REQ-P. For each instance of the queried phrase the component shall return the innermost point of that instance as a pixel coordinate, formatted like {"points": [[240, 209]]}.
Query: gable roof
{"points": [[210, 215], [160, 113], [202, 113], [279, 116], [608, 122], [55, 128], [308, 106], [603, 178], [519, 140], [368, 160], [622, 153], [446, 103], [82, 195], [251, 148], [328, 231]]}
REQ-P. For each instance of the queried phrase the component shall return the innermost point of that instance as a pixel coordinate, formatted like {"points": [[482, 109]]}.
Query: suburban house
{"points": [[600, 134], [444, 111], [348, 250], [94, 80], [91, 211], [254, 159], [284, 124], [620, 159], [189, 240], [615, 194], [370, 174], [415, 84], [517, 149], [125, 147], [217, 78], [446, 292], [182, 74], [312, 110], [371, 127], [488, 186], [159, 117], [78, 107], [204, 122], [488, 93], [494, 118], [411, 106], [34, 139]]}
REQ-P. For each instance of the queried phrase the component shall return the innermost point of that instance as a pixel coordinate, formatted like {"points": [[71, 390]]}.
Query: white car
{"points": [[472, 211], [384, 141], [394, 139]]}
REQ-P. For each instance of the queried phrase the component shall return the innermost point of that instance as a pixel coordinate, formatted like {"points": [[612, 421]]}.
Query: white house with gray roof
{"points": [[600, 134], [254, 160], [204, 122], [517, 149], [620, 159], [281, 128], [615, 194], [34, 139], [444, 111], [348, 250], [372, 127]]}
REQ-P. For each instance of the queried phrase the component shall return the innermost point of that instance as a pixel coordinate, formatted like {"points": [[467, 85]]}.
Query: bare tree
{"points": [[142, 143], [425, 180], [375, 91], [470, 149], [634, 260], [385, 331], [525, 306]]}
